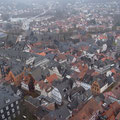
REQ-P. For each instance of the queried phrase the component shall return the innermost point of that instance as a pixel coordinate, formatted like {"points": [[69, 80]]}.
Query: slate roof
{"points": [[50, 56], [33, 101], [17, 70], [63, 85], [36, 74], [102, 80], [41, 112], [7, 93], [60, 114]]}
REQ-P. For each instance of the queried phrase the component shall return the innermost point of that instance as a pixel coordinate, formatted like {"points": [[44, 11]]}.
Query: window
{"points": [[16, 102], [7, 101], [97, 89], [7, 108], [18, 112], [9, 118], [1, 111], [12, 105], [14, 115], [8, 113], [17, 107], [13, 110], [3, 116]]}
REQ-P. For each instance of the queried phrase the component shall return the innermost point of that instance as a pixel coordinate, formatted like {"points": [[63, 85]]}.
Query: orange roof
{"points": [[103, 59], [42, 54], [43, 85], [95, 73], [113, 71], [51, 106], [112, 118], [38, 43], [109, 113], [51, 78], [61, 56], [102, 37]]}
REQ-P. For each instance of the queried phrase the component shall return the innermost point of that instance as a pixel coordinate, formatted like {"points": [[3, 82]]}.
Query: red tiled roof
{"points": [[110, 113], [87, 111], [43, 85], [118, 116], [51, 78], [111, 118], [113, 71], [95, 73], [61, 56], [42, 54], [102, 37]]}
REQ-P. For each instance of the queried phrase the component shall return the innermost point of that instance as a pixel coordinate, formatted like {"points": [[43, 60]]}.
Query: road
{"points": [[27, 22]]}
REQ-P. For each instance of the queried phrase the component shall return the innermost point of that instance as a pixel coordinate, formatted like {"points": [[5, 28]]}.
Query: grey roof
{"points": [[93, 48], [63, 85], [7, 93], [12, 54], [70, 57], [75, 90], [102, 80], [47, 98], [16, 70], [36, 74], [33, 101], [60, 114], [50, 56], [53, 63], [85, 96], [41, 112], [99, 98], [2, 35]]}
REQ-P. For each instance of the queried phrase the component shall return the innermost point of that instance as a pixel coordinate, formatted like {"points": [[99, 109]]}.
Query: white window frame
{"points": [[12, 105], [7, 108], [18, 107], [8, 113], [13, 110], [3, 116], [16, 102]]}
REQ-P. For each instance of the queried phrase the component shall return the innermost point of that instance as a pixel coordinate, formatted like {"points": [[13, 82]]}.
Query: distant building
{"points": [[2, 35]]}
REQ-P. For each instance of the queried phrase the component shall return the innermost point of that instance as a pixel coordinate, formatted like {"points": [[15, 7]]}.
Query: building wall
{"points": [[10, 111], [104, 88], [30, 107], [86, 86], [95, 87]]}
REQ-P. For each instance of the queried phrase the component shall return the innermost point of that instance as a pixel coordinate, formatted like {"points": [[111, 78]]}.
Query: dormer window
{"points": [[7, 101], [60, 116], [65, 90], [12, 105], [16, 102]]}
